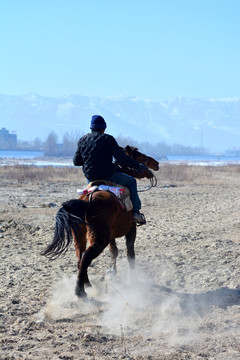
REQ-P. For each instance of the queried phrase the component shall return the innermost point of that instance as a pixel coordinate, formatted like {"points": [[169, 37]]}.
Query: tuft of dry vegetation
{"points": [[170, 173]]}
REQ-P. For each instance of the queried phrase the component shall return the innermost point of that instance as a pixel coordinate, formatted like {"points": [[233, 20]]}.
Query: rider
{"points": [[95, 153]]}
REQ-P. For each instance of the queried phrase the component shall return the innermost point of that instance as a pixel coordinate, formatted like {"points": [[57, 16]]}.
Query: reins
{"points": [[153, 183]]}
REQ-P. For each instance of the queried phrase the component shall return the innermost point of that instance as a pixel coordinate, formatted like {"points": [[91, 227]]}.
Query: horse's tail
{"points": [[69, 218]]}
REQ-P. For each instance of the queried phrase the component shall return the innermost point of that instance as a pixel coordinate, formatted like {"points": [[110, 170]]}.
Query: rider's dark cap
{"points": [[98, 123]]}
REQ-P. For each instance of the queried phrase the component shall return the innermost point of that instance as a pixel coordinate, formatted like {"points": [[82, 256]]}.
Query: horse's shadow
{"points": [[203, 303]]}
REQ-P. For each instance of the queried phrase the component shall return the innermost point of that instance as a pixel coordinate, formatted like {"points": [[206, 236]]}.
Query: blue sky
{"points": [[151, 49]]}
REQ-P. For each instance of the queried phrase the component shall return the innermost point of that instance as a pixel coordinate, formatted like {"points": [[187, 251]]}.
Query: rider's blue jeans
{"points": [[129, 182]]}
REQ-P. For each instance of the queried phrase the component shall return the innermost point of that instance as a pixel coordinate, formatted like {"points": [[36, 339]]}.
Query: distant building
{"points": [[7, 141]]}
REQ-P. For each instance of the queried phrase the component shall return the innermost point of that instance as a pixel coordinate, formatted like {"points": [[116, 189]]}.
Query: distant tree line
{"points": [[161, 149], [68, 146], [51, 147]]}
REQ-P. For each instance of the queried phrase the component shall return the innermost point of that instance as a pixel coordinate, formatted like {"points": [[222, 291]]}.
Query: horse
{"points": [[98, 219], [148, 161], [135, 154]]}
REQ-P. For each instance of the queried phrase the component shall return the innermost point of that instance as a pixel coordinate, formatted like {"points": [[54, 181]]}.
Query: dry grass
{"points": [[197, 174], [26, 173], [168, 173]]}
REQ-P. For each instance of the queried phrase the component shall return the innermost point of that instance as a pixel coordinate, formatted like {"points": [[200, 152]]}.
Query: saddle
{"points": [[124, 197]]}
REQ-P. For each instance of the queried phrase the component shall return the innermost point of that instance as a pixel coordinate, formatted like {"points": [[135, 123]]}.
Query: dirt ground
{"points": [[182, 302]]}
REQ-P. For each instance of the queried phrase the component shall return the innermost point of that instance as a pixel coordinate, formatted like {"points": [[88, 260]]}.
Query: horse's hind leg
{"points": [[98, 236], [130, 240], [114, 255], [91, 253], [80, 242]]}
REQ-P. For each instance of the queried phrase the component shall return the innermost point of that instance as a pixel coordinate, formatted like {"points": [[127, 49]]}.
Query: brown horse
{"points": [[98, 219], [148, 161], [135, 154]]}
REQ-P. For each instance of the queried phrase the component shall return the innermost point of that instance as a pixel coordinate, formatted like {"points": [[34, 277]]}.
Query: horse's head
{"points": [[135, 154], [143, 174]]}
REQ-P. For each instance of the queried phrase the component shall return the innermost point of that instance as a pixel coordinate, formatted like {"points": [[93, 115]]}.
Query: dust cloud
{"points": [[132, 306]]}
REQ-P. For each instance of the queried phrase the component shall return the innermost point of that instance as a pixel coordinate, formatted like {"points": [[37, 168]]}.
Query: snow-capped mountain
{"points": [[213, 124]]}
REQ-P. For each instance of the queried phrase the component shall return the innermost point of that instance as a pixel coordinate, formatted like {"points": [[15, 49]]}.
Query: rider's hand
{"points": [[141, 168]]}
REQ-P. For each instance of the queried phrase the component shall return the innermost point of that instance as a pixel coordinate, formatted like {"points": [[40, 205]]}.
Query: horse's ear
{"points": [[128, 150]]}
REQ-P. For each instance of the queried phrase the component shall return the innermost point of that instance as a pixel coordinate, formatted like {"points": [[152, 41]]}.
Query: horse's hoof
{"points": [[81, 293], [88, 284]]}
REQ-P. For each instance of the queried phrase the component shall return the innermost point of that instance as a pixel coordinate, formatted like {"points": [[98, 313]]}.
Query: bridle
{"points": [[153, 179], [144, 162]]}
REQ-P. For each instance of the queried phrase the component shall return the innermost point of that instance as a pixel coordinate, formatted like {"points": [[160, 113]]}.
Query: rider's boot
{"points": [[138, 218]]}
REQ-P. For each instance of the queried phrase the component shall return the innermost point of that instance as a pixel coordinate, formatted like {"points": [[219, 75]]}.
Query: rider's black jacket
{"points": [[95, 154]]}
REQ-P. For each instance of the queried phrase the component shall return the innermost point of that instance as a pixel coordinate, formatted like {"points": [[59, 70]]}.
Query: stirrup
{"points": [[139, 218]]}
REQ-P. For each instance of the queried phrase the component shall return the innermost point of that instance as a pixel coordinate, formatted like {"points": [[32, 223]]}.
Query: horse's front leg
{"points": [[114, 254], [130, 240]]}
